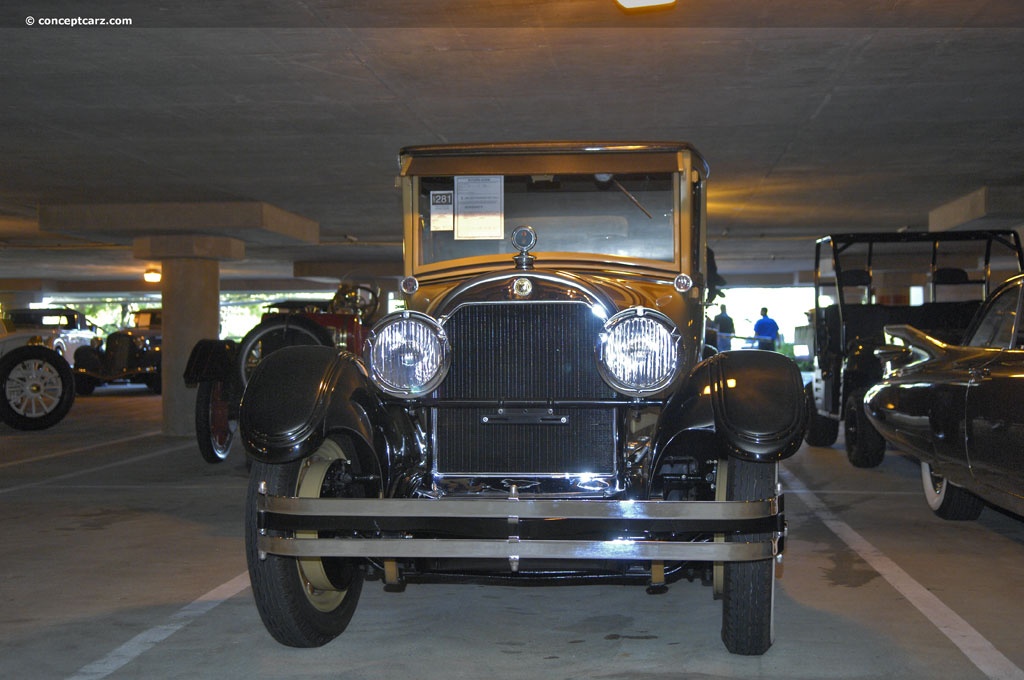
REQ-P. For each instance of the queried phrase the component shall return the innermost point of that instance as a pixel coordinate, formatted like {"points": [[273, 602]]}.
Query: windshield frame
{"points": [[678, 161]]}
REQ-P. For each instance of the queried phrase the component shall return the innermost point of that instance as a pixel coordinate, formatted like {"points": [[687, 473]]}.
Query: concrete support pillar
{"points": [[191, 312], [190, 287], [189, 239]]}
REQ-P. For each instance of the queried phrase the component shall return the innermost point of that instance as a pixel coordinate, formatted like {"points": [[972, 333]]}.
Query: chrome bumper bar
{"points": [[705, 517]]}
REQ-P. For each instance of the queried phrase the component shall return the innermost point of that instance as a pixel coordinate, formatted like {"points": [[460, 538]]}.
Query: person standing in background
{"points": [[766, 331], [726, 329]]}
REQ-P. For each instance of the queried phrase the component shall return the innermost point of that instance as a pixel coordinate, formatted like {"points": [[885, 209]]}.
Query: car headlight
{"points": [[407, 353], [638, 352]]}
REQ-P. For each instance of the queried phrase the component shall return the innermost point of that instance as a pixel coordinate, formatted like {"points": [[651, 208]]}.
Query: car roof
{"points": [[561, 156]]}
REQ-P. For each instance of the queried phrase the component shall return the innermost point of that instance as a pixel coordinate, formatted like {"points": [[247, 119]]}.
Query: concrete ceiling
{"points": [[816, 116]]}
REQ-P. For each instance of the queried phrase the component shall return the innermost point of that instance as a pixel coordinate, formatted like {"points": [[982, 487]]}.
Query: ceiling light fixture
{"points": [[151, 275], [644, 4]]}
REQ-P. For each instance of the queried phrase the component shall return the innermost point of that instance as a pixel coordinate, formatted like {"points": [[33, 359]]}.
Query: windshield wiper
{"points": [[601, 178]]}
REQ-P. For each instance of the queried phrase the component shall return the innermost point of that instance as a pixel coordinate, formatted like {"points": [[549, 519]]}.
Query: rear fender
{"points": [[862, 368], [210, 361], [749, 404], [297, 395]]}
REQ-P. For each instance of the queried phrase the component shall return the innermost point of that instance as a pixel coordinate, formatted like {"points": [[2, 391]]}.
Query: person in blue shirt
{"points": [[766, 331]]}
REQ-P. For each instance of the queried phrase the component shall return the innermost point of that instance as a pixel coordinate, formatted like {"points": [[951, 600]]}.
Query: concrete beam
{"points": [[768, 279], [14, 300], [192, 246], [996, 207], [24, 286], [336, 271], [249, 221]]}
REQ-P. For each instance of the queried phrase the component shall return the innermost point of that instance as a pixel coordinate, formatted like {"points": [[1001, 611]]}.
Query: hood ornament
{"points": [[524, 238]]}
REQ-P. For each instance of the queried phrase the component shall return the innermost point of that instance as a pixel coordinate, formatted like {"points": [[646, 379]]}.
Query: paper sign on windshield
{"points": [[479, 207]]}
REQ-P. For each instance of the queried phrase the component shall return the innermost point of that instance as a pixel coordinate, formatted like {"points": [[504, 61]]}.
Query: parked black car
{"points": [[220, 368], [935, 281], [957, 407], [545, 409], [129, 355]]}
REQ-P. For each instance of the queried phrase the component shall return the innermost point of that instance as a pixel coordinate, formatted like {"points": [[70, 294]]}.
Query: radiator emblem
{"points": [[522, 288]]}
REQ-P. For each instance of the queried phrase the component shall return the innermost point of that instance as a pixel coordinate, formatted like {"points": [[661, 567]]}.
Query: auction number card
{"points": [[442, 210]]}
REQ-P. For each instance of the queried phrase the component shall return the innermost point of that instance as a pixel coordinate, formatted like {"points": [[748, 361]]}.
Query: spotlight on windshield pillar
{"points": [[151, 276], [644, 4]]}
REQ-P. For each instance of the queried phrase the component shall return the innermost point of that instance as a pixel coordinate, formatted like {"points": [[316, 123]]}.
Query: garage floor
{"points": [[123, 558]]}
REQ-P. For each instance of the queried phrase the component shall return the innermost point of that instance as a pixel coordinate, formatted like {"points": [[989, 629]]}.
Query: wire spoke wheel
{"points": [[34, 388], [215, 423], [273, 334]]}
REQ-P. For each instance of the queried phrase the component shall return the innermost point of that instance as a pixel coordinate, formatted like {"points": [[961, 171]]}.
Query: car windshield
{"points": [[630, 216], [37, 318], [147, 319], [995, 329]]}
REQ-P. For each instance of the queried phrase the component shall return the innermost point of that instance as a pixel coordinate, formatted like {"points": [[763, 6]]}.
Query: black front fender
{"points": [[211, 360], [296, 396], [751, 403]]}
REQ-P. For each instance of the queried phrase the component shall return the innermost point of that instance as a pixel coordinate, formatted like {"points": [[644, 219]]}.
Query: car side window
{"points": [[996, 328]]}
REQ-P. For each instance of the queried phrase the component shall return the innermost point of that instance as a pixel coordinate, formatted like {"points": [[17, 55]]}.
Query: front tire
{"points": [[864, 446], [84, 385], [304, 602], [155, 383], [948, 500], [37, 386], [748, 588], [215, 427]]}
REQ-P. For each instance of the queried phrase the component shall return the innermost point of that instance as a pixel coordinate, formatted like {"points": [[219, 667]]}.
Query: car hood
{"points": [[12, 339], [609, 291]]}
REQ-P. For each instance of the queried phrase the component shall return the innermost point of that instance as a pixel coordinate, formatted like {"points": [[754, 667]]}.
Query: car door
{"points": [[994, 416]]}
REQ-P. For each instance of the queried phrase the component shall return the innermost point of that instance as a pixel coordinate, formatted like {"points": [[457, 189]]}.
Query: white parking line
{"points": [[146, 640], [78, 473], [68, 452], [975, 647]]}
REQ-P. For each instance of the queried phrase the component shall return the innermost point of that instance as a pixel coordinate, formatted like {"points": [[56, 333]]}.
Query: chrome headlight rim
{"points": [[374, 360], [606, 352]]}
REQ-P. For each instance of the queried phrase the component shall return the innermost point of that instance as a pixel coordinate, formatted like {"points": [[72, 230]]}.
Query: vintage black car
{"points": [[220, 368], [129, 355], [545, 409], [957, 407], [935, 281]]}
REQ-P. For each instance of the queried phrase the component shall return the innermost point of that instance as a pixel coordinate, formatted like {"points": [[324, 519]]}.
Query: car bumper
{"points": [[515, 529]]}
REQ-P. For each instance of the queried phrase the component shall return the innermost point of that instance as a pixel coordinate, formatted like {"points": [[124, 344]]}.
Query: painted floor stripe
{"points": [[68, 452], [78, 473], [975, 647], [146, 640]]}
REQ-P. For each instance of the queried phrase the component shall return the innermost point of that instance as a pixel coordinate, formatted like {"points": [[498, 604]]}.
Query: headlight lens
{"points": [[638, 352], [408, 354]]}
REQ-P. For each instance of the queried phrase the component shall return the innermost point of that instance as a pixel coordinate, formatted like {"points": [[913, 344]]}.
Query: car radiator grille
{"points": [[524, 352], [119, 349]]}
